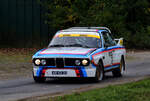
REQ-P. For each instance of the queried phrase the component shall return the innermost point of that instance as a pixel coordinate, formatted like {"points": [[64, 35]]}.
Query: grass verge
{"points": [[136, 91]]}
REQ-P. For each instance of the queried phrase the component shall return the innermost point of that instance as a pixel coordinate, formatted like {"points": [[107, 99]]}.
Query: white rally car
{"points": [[81, 52]]}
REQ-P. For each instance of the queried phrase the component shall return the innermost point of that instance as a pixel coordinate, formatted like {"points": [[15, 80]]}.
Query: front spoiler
{"points": [[71, 72]]}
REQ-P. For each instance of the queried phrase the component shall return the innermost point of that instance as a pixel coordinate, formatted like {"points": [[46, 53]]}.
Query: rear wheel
{"points": [[119, 71], [99, 73]]}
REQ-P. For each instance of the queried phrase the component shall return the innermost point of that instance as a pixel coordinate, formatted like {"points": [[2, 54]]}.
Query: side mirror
{"points": [[119, 41]]}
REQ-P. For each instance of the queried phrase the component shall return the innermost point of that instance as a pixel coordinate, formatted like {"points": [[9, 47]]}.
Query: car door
{"points": [[112, 47], [108, 61]]}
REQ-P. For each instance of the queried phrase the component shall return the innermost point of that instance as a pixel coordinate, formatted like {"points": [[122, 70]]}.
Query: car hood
{"points": [[64, 52]]}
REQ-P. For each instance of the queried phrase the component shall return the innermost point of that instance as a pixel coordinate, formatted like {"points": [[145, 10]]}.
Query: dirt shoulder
{"points": [[15, 62], [137, 55]]}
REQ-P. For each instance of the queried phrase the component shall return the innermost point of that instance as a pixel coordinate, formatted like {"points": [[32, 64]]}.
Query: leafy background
{"points": [[129, 19]]}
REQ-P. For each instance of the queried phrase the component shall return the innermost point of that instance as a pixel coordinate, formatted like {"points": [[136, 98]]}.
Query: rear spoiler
{"points": [[119, 41]]}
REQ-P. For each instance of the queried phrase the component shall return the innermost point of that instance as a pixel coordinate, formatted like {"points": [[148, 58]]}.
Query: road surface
{"points": [[20, 88]]}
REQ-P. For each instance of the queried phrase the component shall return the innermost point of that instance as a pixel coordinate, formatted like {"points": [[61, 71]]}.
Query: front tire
{"points": [[119, 71], [99, 76], [39, 79]]}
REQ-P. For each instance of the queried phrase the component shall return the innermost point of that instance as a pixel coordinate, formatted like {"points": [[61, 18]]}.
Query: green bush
{"points": [[126, 18]]}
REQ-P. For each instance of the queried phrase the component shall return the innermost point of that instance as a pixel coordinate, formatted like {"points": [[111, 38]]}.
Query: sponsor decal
{"points": [[78, 35]]}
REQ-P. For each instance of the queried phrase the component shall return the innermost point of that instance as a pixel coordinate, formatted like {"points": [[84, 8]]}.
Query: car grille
{"points": [[50, 62], [60, 62]]}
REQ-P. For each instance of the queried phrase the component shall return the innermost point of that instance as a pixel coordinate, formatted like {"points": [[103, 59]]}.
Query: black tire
{"points": [[99, 76], [39, 79], [119, 71]]}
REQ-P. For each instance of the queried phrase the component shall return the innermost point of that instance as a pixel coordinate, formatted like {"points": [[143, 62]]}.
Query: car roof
{"points": [[78, 32], [86, 29]]}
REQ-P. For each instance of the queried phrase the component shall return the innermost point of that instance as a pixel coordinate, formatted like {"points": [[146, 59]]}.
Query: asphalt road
{"points": [[25, 87]]}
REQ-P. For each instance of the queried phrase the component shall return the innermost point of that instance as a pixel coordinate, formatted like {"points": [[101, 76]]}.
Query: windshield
{"points": [[87, 42]]}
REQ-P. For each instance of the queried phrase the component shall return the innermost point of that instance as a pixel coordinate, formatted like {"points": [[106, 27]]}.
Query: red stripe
{"points": [[116, 64], [68, 53], [43, 50], [77, 72], [94, 63], [103, 52], [43, 72], [107, 66], [108, 51]]}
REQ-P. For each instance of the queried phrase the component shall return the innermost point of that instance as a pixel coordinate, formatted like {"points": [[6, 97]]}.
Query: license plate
{"points": [[59, 72]]}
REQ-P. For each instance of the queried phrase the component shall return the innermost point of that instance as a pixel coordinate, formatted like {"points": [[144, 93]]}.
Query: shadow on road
{"points": [[78, 80]]}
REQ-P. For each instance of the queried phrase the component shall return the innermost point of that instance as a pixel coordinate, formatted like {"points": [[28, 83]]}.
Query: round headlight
{"points": [[84, 62], [77, 62], [37, 61], [43, 62]]}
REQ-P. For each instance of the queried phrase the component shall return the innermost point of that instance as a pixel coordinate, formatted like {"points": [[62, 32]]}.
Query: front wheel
{"points": [[119, 71], [39, 79], [99, 73]]}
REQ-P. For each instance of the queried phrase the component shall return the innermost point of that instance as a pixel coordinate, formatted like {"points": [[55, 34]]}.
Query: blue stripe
{"points": [[103, 49], [111, 67], [84, 72], [115, 47], [36, 54], [110, 48], [39, 71], [93, 66], [59, 55]]}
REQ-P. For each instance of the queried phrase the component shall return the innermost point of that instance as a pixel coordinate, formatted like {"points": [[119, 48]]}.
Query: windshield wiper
{"points": [[57, 45], [77, 45]]}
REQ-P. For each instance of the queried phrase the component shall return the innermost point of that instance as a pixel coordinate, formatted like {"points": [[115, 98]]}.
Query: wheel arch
{"points": [[122, 57], [101, 61]]}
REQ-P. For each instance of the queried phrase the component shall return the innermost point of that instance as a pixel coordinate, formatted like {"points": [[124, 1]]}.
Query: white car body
{"points": [[110, 55]]}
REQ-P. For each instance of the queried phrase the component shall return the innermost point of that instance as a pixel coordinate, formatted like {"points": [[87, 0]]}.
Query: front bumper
{"points": [[67, 71]]}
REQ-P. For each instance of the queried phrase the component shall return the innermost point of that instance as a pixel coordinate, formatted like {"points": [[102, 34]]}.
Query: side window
{"points": [[111, 39], [107, 39]]}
